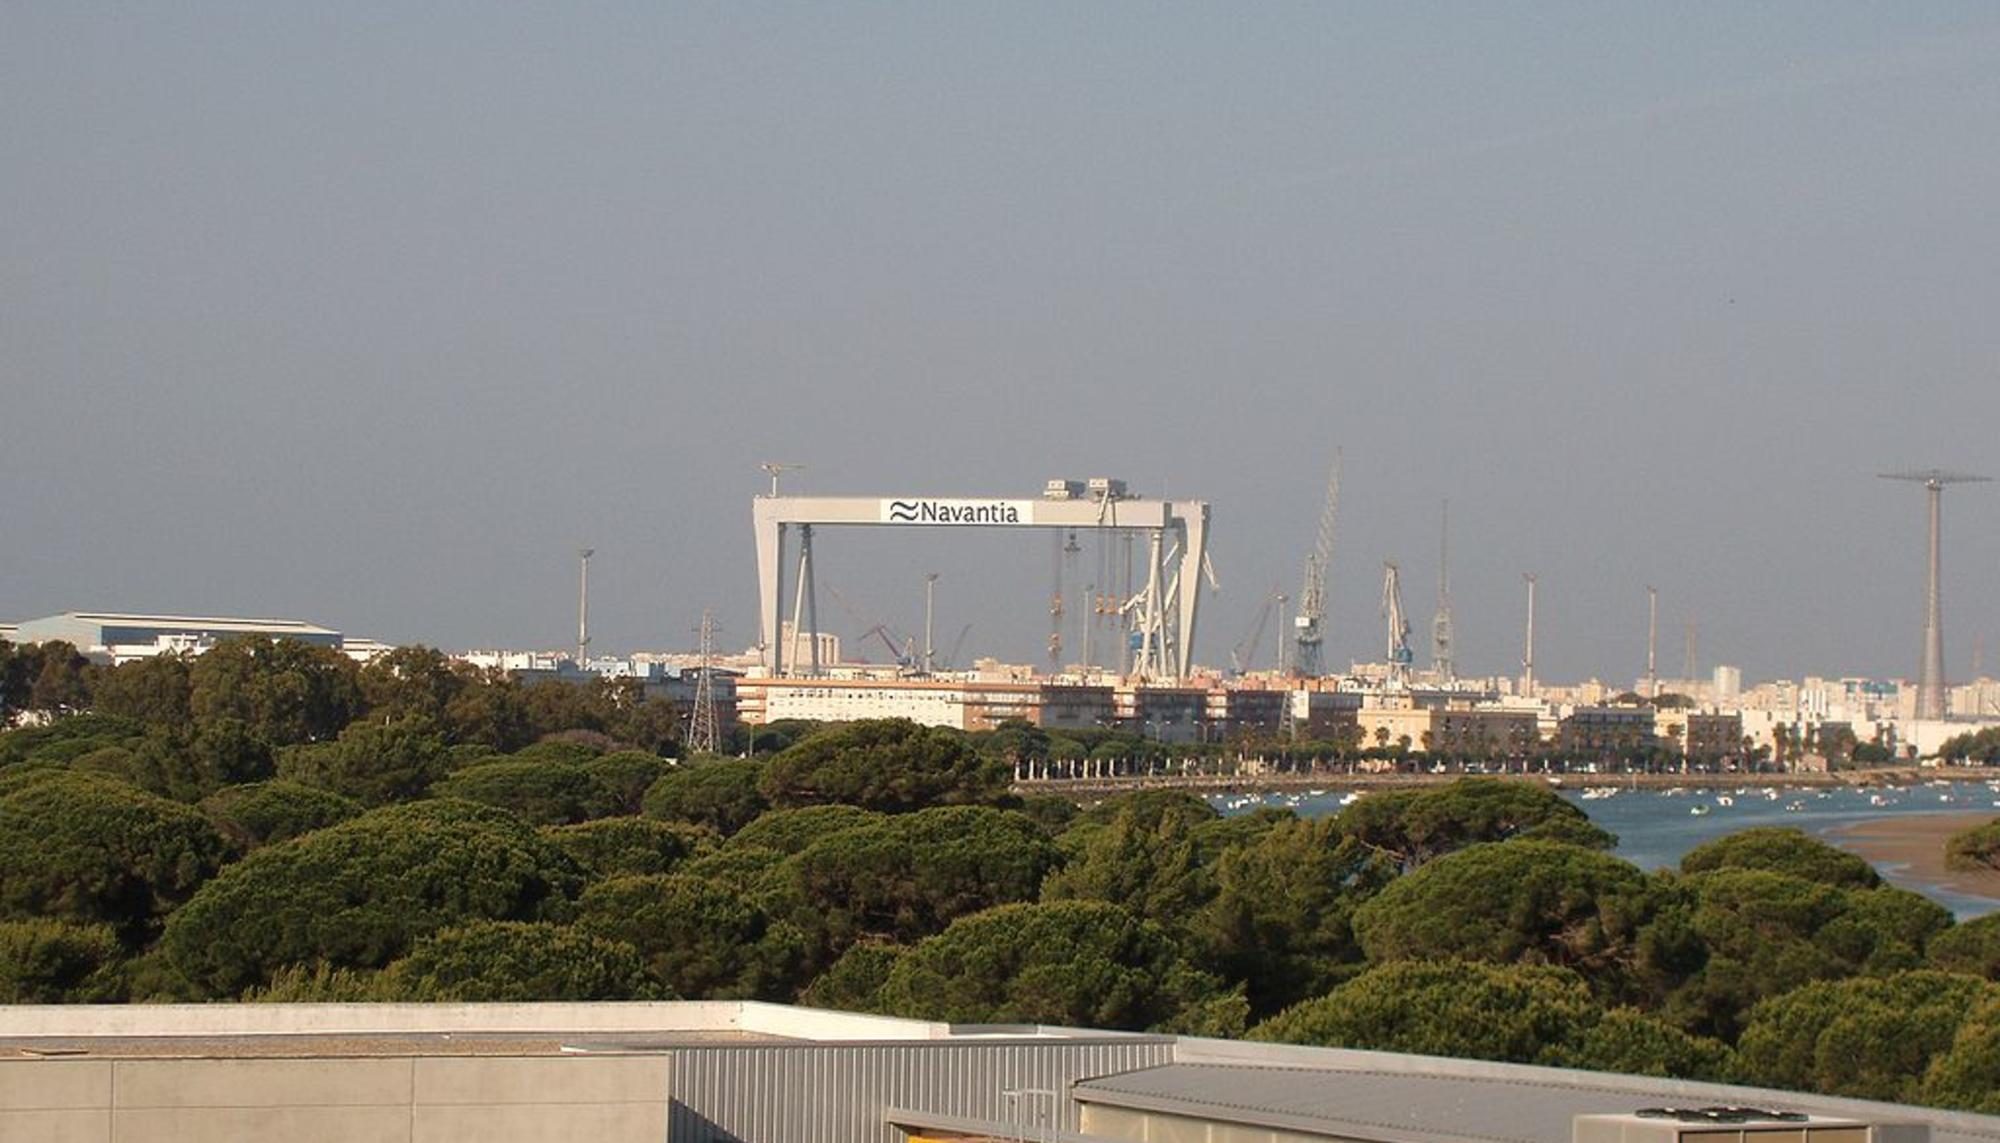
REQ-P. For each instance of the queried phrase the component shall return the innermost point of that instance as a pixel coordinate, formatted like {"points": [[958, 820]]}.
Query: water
{"points": [[1656, 827]]}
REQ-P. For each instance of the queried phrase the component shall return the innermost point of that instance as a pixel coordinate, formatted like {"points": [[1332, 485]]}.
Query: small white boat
{"points": [[1698, 809]]}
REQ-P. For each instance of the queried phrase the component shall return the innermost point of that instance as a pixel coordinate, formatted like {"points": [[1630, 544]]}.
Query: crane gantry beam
{"points": [[1176, 532]]}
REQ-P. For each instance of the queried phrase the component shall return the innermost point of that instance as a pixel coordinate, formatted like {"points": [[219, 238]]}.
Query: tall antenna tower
{"points": [[1441, 654], [1528, 652], [1399, 624], [583, 603], [1310, 621], [704, 734], [1930, 680]]}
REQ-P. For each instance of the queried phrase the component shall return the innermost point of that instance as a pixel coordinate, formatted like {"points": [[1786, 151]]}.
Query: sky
{"points": [[373, 313]]}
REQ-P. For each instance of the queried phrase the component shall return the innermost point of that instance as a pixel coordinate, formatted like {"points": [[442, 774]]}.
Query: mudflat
{"points": [[1916, 842]]}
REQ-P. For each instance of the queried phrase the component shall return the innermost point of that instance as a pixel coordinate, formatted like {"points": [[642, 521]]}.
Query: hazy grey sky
{"points": [[371, 313]]}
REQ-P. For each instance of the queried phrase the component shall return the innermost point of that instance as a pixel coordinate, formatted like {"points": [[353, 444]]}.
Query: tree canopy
{"points": [[375, 764], [537, 792], [286, 691], [276, 823], [892, 765], [1969, 947], [696, 936], [907, 875], [1414, 826], [1762, 934], [618, 847], [1790, 851], [1516, 1013], [92, 850], [1282, 917], [360, 893], [1082, 963], [1866, 1036], [1533, 902], [518, 960], [260, 813], [722, 794], [1974, 850]]}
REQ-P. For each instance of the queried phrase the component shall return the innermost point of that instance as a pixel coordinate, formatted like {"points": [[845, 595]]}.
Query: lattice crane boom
{"points": [[1443, 655], [1311, 619], [1398, 620]]}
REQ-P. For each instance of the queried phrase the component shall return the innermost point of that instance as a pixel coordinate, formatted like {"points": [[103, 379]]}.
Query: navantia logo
{"points": [[954, 512]]}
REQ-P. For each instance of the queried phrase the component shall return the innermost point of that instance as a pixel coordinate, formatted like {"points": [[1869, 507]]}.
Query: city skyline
{"points": [[375, 317]]}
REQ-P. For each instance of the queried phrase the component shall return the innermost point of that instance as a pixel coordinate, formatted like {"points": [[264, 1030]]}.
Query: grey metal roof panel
{"points": [[1534, 1105]]}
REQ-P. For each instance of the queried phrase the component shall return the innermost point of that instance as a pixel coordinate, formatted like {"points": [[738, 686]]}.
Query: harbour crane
{"points": [[1399, 624], [950, 661], [1310, 622], [1443, 660], [901, 647], [1244, 653]]}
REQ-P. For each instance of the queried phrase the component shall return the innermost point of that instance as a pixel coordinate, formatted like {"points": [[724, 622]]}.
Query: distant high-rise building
{"points": [[1728, 684]]}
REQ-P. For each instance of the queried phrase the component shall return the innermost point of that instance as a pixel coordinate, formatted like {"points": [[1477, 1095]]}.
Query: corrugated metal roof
{"points": [[838, 1092], [1482, 1104], [205, 622]]}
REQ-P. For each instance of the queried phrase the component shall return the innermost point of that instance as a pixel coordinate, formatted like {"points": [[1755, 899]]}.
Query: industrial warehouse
{"points": [[745, 1072]]}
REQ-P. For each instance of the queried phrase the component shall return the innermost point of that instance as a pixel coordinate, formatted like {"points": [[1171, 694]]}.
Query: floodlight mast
{"points": [[583, 603], [1930, 677], [1652, 641], [1528, 652]]}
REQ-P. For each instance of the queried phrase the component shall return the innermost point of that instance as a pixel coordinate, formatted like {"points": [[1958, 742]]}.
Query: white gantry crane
{"points": [[1399, 624], [1311, 619]]}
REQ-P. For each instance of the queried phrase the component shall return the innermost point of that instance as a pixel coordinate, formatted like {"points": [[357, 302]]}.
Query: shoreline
{"points": [[1913, 846], [1098, 787]]}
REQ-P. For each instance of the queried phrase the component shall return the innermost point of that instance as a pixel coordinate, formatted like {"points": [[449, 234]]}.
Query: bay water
{"points": [[1656, 827]]}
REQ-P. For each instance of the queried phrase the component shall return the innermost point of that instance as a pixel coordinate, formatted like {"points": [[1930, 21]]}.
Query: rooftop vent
{"points": [[1721, 1114], [1730, 1124]]}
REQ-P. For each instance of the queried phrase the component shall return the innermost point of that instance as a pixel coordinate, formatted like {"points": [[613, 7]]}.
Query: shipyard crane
{"points": [[903, 655], [1442, 659], [950, 662], [1399, 624], [1309, 624], [1245, 651]]}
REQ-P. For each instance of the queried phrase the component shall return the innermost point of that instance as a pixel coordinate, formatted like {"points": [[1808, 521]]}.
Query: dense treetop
{"points": [[271, 821]]}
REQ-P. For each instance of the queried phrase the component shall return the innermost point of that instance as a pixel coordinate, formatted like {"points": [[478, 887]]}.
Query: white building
{"points": [[118, 637]]}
